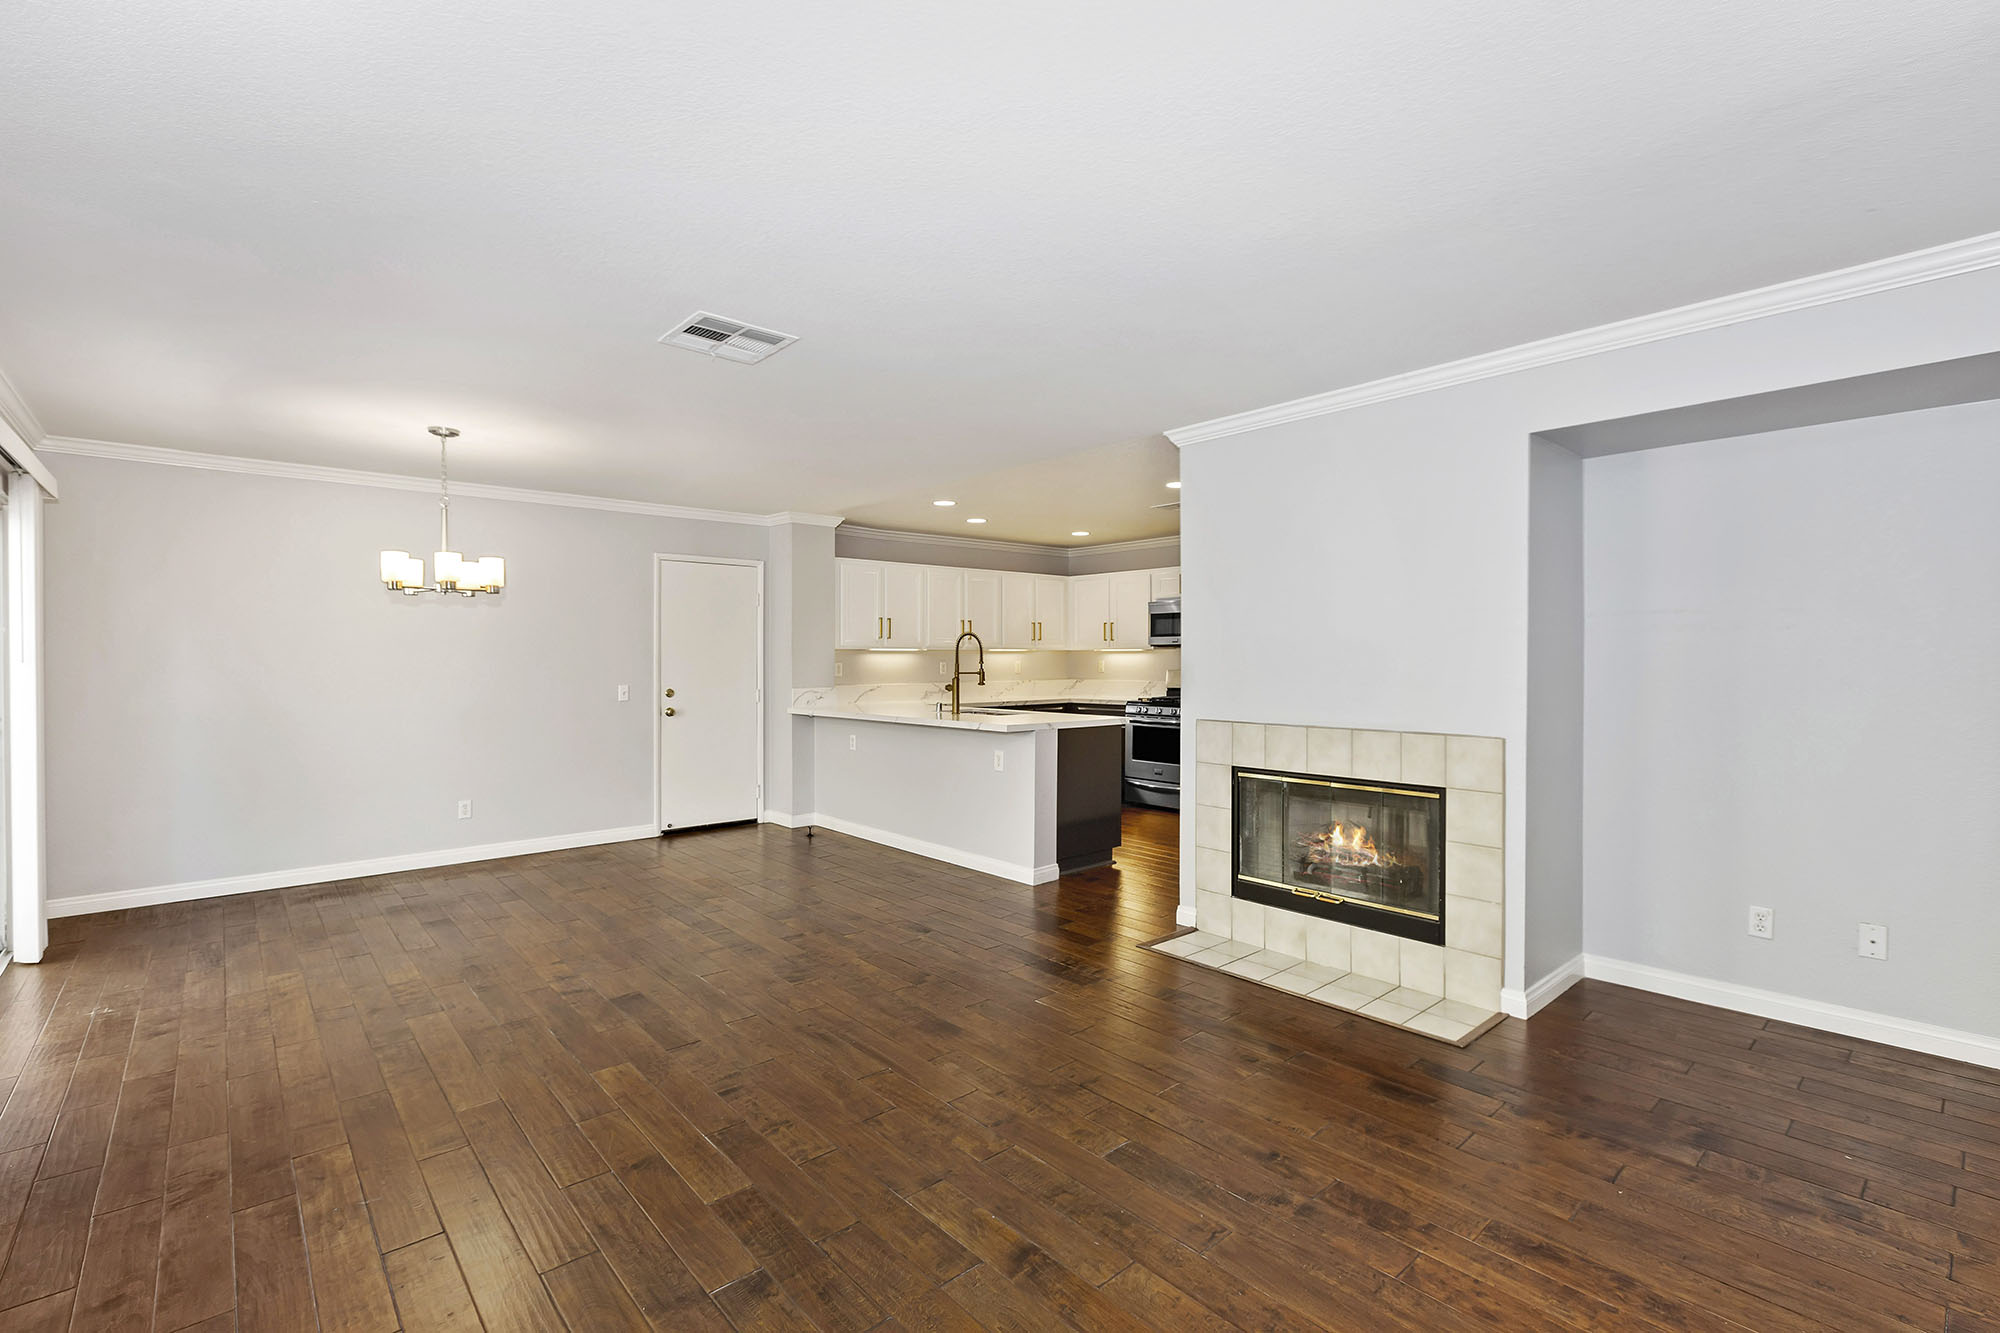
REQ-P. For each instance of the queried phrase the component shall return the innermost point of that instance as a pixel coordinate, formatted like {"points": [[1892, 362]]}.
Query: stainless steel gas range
{"points": [[1153, 751]]}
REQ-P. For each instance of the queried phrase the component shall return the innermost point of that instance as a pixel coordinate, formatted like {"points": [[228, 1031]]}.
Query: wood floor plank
{"points": [[349, 1286], [430, 1290], [398, 1199], [114, 1293], [503, 1280], [196, 1278], [746, 1079], [273, 1277]]}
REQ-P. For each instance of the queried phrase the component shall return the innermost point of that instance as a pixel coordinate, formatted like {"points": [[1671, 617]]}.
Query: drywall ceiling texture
{"points": [[1370, 567], [1791, 647], [1004, 233]]}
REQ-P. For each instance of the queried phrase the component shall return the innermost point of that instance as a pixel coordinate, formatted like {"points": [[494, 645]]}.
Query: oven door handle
{"points": [[1154, 786]]}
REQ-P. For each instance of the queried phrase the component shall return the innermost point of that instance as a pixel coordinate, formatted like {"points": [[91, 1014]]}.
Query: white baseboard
{"points": [[783, 818], [1184, 914], [1951, 1043], [989, 865], [1527, 1003], [84, 904]]}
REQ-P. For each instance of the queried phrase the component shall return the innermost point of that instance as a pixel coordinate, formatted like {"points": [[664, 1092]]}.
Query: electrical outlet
{"points": [[944, 669], [1874, 940], [1100, 664], [1761, 922], [465, 809], [839, 670], [624, 694], [850, 740], [999, 761]]}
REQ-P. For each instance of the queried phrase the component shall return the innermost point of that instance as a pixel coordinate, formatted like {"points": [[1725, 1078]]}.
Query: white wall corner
{"points": [[1535, 998], [1976, 1048]]}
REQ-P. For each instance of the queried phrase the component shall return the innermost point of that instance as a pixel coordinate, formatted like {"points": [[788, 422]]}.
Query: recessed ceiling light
{"points": [[975, 520], [1173, 485], [1084, 533], [944, 504]]}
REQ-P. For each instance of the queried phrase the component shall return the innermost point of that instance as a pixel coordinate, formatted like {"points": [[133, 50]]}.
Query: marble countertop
{"points": [[976, 717]]}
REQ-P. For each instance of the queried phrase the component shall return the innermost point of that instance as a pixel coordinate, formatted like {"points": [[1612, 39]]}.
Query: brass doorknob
{"points": [[666, 712]]}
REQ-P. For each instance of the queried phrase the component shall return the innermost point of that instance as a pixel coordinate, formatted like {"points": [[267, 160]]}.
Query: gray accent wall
{"points": [[1794, 703]]}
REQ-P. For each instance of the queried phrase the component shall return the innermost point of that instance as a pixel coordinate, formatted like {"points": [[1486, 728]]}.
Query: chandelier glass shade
{"points": [[404, 573]]}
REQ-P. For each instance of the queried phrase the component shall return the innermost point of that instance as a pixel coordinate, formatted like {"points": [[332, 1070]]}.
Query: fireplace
{"points": [[1366, 852]]}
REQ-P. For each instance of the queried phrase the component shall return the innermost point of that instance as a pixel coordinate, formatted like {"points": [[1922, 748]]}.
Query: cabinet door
{"points": [[944, 606], [1131, 625], [1090, 611], [982, 605], [861, 614], [1017, 611], [1166, 583], [903, 606], [1051, 611]]}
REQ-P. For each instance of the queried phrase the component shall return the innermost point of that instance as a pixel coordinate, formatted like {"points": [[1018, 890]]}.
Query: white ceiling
{"points": [[1005, 233]]}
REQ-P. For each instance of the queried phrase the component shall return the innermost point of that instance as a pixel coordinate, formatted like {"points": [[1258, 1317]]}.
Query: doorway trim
{"points": [[659, 558]]}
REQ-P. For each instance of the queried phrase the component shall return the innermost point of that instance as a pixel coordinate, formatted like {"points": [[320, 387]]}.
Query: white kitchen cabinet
{"points": [[982, 604], [1051, 611], [944, 606], [903, 606], [881, 604], [1017, 611], [1131, 623], [1166, 583], [860, 593], [1090, 611]]}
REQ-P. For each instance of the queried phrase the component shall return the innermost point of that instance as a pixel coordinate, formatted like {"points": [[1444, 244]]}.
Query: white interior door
{"points": [[708, 698]]}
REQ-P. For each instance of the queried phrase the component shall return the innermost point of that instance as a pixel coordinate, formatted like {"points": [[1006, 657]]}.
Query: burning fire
{"points": [[1342, 845]]}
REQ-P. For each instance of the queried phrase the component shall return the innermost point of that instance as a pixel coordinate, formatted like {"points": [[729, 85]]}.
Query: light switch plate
{"points": [[999, 761], [1874, 940], [624, 694]]}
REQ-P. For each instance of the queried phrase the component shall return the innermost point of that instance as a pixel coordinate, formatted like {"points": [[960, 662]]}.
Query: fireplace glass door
{"points": [[1368, 853]]}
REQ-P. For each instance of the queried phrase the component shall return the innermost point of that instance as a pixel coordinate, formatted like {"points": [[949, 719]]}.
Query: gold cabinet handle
{"points": [[892, 627], [666, 712], [878, 627]]}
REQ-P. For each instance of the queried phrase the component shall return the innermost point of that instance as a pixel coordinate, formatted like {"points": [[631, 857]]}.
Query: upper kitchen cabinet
{"points": [[982, 604], [1131, 623], [944, 607], [1034, 611], [881, 604], [1166, 583], [1051, 611], [1090, 611]]}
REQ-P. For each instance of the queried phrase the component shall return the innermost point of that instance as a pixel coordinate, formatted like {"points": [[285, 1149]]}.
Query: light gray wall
{"points": [[800, 615], [231, 690], [860, 544], [1118, 559], [1792, 703], [1554, 762], [852, 544], [1369, 567]]}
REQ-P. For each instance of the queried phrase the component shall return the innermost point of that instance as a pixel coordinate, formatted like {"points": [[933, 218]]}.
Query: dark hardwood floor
{"points": [[743, 1079]]}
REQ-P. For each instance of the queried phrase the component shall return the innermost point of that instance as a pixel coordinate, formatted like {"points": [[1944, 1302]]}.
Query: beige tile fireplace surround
{"points": [[1449, 991]]}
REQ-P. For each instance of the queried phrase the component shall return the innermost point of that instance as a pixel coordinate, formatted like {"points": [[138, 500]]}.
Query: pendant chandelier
{"points": [[404, 573]]}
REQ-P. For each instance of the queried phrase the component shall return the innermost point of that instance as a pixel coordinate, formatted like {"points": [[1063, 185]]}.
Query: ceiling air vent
{"points": [[730, 339]]}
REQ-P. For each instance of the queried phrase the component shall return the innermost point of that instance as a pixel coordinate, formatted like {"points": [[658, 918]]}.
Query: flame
{"points": [[1343, 845]]}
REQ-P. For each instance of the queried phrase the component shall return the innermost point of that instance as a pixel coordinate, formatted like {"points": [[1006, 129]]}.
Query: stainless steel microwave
{"points": [[1166, 628]]}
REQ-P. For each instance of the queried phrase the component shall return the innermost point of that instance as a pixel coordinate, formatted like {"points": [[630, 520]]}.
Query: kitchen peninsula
{"points": [[1012, 791]]}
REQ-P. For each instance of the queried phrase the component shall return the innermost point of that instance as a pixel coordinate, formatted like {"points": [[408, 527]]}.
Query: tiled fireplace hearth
{"points": [[1361, 869]]}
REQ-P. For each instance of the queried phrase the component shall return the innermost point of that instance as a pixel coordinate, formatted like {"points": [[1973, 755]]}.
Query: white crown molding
{"points": [[1952, 1043], [393, 481], [1136, 544], [191, 890], [15, 412], [805, 520], [1943, 261]]}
